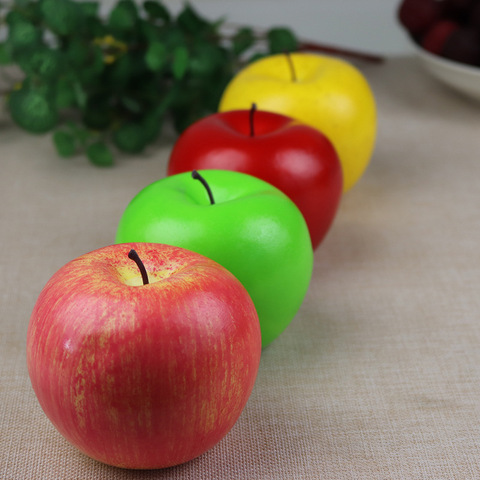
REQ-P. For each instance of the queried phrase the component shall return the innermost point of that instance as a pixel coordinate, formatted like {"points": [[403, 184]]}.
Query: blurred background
{"points": [[368, 25]]}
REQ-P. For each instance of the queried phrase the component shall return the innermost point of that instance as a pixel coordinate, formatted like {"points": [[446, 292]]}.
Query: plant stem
{"points": [[345, 52], [305, 45]]}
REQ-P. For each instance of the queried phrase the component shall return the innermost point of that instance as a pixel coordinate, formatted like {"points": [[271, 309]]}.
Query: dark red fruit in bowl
{"points": [[417, 16], [463, 46], [474, 17], [436, 37], [459, 9]]}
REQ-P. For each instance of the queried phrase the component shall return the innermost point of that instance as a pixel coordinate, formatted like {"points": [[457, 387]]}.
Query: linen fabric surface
{"points": [[378, 375]]}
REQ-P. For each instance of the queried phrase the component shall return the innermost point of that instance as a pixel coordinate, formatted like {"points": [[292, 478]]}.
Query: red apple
{"points": [[143, 375], [293, 157]]}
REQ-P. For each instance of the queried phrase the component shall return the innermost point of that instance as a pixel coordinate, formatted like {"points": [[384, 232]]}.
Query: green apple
{"points": [[245, 224], [324, 92]]}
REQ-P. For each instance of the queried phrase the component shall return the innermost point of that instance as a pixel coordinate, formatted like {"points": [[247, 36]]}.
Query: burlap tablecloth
{"points": [[378, 376]]}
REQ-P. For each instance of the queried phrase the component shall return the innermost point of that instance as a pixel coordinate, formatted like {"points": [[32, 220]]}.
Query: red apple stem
{"points": [[252, 123], [292, 66], [133, 255], [197, 176]]}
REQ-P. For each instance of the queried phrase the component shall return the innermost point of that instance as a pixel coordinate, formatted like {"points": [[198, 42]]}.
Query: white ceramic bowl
{"points": [[463, 78]]}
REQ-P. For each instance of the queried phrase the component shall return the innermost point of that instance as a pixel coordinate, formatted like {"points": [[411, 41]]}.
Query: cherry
{"points": [[436, 37], [449, 28], [458, 9], [474, 17], [463, 46], [419, 15]]}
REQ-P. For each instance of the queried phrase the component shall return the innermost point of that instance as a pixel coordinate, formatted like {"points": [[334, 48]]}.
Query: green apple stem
{"points": [[292, 66], [197, 176], [252, 123], [133, 255]]}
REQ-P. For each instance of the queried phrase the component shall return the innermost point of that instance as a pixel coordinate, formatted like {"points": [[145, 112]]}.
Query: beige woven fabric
{"points": [[378, 376]]}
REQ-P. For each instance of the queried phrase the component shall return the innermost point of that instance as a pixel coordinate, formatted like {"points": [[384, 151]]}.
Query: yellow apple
{"points": [[322, 91]]}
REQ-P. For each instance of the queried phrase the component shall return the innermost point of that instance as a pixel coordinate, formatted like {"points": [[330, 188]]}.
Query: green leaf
{"points": [[206, 59], [121, 72], [89, 9], [42, 61], [97, 114], [152, 125], [123, 17], [183, 118], [164, 103], [173, 37], [131, 104], [191, 22], [14, 16], [186, 106], [27, 10], [80, 134], [156, 10], [63, 17], [215, 91], [180, 62], [5, 57], [23, 35], [21, 3], [156, 56], [77, 51], [281, 40], [94, 27], [80, 94], [99, 154], [32, 110], [64, 93], [130, 138], [90, 73], [243, 40], [64, 143]]}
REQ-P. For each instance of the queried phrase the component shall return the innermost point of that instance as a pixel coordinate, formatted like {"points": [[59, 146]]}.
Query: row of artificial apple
{"points": [[143, 354]]}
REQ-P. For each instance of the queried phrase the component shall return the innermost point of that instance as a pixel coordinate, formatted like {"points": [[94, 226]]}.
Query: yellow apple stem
{"points": [[133, 255], [292, 66], [197, 176], [252, 123]]}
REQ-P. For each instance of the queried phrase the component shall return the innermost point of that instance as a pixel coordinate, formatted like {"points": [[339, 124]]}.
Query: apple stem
{"points": [[133, 255], [197, 176], [292, 66], [252, 115]]}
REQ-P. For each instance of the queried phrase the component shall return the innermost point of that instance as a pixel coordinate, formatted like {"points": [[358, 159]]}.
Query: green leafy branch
{"points": [[106, 83]]}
